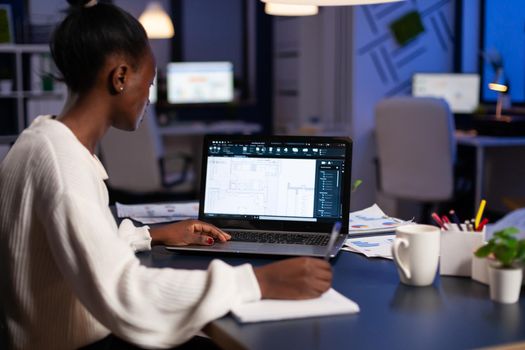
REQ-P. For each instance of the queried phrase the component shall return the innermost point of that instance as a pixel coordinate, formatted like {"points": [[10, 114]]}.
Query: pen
{"points": [[445, 219], [480, 213], [335, 232], [438, 220], [482, 224], [455, 219]]}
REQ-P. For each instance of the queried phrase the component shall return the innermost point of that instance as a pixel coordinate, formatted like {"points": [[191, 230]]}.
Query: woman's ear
{"points": [[119, 78]]}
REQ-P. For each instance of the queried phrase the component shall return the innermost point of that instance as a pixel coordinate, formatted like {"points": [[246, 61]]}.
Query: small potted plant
{"points": [[506, 254], [356, 184]]}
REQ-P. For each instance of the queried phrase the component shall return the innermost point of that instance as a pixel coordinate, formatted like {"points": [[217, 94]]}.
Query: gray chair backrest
{"points": [[416, 148], [132, 158]]}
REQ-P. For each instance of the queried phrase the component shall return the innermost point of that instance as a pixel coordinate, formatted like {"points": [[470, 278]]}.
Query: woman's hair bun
{"points": [[78, 3]]}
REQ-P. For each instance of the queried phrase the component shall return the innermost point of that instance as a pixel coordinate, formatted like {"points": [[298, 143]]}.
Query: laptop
{"points": [[276, 195]]}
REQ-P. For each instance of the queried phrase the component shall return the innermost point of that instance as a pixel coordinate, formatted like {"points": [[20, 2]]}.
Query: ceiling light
{"points": [[276, 9], [156, 22], [329, 2]]}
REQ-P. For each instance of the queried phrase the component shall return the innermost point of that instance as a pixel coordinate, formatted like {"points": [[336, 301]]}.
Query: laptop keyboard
{"points": [[279, 238]]}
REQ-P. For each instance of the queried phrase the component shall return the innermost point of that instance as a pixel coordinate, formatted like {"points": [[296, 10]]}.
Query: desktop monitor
{"points": [[199, 82], [461, 91]]}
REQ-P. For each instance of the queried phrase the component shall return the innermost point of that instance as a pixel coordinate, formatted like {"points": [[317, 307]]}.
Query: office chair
{"points": [[416, 150], [139, 169]]}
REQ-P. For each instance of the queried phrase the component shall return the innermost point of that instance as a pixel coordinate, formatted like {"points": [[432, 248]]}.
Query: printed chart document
{"points": [[158, 213], [330, 303], [371, 247], [372, 220]]}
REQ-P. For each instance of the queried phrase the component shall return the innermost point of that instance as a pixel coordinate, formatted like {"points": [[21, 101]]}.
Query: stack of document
{"points": [[330, 303], [371, 247], [372, 220], [369, 227], [158, 213]]}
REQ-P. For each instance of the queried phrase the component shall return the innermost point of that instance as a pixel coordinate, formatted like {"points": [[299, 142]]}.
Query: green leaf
{"points": [[505, 247], [484, 250], [505, 255], [506, 233], [520, 250], [511, 243], [356, 184]]}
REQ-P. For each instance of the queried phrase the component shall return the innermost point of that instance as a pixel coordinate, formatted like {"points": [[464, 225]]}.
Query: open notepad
{"points": [[330, 303]]}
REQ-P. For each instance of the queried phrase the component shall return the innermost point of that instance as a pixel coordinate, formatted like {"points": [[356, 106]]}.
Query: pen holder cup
{"points": [[480, 269], [457, 251]]}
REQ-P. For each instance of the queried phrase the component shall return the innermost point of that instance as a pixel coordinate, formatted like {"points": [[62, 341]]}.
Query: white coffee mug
{"points": [[416, 253]]}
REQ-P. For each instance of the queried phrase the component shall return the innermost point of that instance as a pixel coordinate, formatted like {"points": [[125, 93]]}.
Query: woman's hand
{"points": [[297, 278], [188, 232]]}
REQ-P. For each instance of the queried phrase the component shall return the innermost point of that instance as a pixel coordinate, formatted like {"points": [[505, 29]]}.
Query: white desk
{"points": [[481, 143]]}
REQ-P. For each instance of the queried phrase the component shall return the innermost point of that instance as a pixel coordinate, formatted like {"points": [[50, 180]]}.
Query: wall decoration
{"points": [[404, 38], [407, 27]]}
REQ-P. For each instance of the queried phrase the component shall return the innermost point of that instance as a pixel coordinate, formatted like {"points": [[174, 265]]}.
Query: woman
{"points": [[69, 275]]}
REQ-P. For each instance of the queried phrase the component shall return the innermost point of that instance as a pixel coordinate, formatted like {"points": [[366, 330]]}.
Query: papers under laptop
{"points": [[278, 195]]}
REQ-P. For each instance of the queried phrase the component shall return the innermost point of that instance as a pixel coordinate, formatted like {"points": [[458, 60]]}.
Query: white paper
{"points": [[160, 220], [330, 303], [162, 210], [372, 220], [372, 247]]}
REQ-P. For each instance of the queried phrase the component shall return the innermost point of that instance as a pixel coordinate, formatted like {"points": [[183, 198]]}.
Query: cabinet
{"points": [[31, 89]]}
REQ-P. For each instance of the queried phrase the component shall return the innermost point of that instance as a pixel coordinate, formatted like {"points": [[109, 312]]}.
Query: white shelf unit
{"points": [[21, 92]]}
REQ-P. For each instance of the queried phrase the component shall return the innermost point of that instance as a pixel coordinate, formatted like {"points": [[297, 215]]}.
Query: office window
{"points": [[504, 31]]}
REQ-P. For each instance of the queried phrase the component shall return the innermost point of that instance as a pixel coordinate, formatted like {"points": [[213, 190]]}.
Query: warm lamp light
{"points": [[329, 2], [290, 10], [500, 85], [156, 22]]}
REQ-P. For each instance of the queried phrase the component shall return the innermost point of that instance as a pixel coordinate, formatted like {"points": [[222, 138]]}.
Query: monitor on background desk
{"points": [[199, 82], [461, 91]]}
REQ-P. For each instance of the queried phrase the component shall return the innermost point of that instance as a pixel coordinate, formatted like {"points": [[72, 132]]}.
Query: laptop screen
{"points": [[275, 181]]}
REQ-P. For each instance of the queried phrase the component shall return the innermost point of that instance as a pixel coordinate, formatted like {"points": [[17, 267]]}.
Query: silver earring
{"points": [[121, 88]]}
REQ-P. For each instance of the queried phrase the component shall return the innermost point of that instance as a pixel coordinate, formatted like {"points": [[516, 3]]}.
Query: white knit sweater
{"points": [[69, 275]]}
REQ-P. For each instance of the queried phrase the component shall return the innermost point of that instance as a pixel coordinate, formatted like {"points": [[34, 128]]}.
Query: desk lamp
{"points": [[501, 86]]}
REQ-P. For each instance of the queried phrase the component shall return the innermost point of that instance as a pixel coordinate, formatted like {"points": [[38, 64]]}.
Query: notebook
{"points": [[278, 195], [330, 303]]}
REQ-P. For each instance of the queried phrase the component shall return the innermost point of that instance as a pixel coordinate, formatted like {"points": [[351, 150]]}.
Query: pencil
{"points": [[480, 213], [455, 218]]}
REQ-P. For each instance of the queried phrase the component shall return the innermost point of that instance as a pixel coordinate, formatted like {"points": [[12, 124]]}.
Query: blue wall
{"points": [[212, 31]]}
